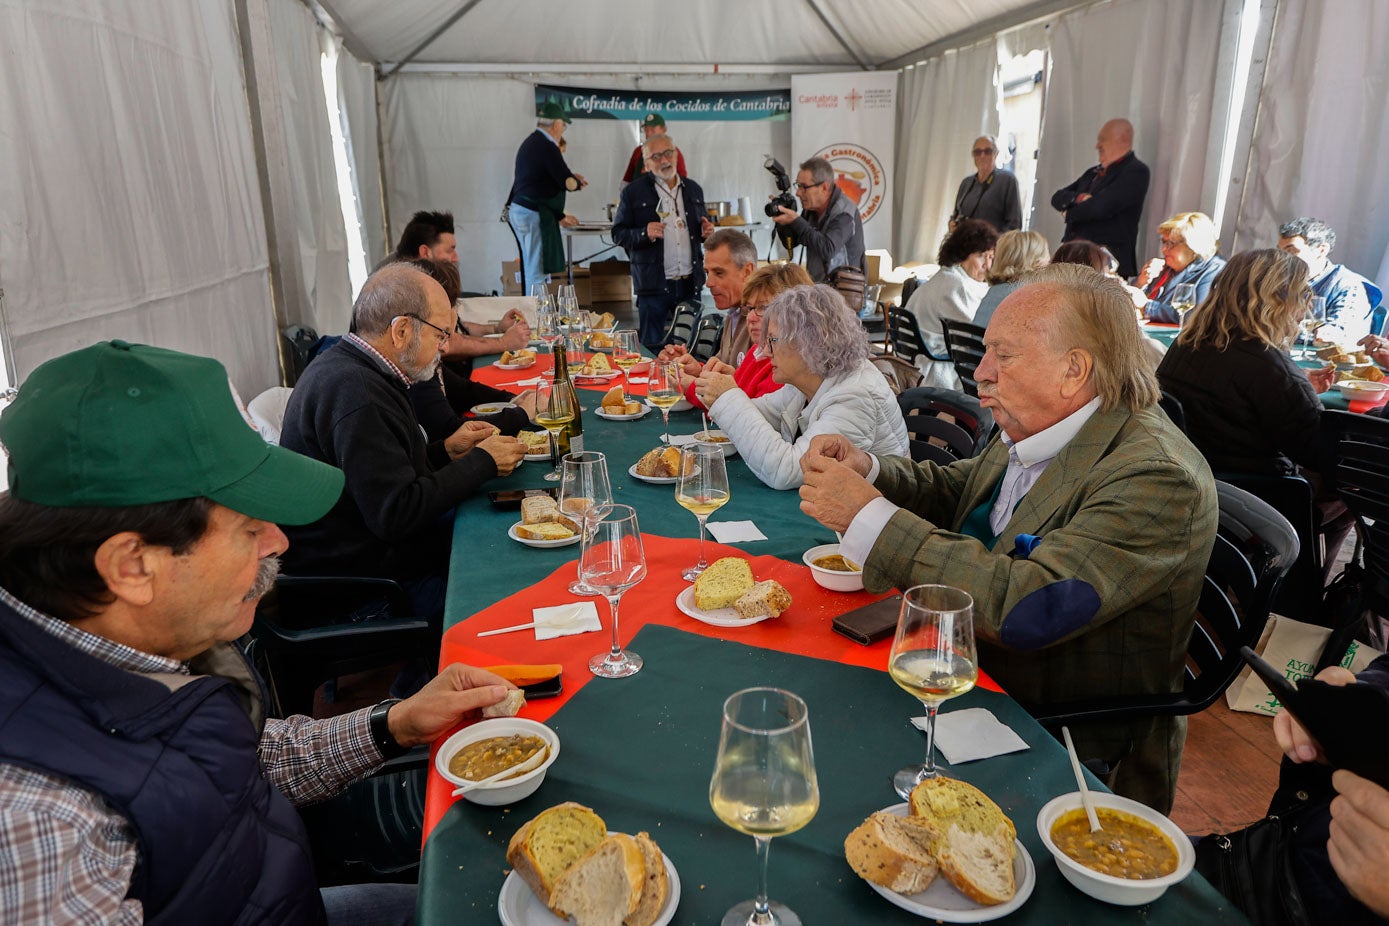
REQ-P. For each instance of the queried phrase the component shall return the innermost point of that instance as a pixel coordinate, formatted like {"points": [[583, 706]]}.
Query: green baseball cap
{"points": [[117, 424], [653, 120], [552, 110]]}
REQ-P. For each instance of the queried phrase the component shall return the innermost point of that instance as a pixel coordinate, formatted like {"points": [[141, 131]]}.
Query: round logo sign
{"points": [[859, 175]]}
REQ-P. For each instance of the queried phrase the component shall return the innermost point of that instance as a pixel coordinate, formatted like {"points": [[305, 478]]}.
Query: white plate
{"points": [[602, 377], [538, 457], [511, 532], [518, 905], [603, 413], [512, 366], [718, 617], [654, 480], [490, 408], [942, 902]]}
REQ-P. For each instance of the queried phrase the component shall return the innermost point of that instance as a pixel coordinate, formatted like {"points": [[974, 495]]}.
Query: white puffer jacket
{"points": [[773, 432]]}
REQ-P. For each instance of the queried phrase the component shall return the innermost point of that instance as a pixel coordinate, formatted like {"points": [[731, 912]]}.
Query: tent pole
{"points": [[324, 9], [429, 40], [824, 20], [984, 30], [381, 164]]}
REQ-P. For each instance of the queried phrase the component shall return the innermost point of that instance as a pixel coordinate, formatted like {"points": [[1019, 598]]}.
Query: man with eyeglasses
{"points": [[829, 225], [351, 410], [988, 194], [661, 223]]}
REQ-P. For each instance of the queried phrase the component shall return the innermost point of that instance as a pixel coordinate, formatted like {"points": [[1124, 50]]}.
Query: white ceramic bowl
{"points": [[1357, 389], [503, 792], [1120, 891], [831, 579], [726, 445]]}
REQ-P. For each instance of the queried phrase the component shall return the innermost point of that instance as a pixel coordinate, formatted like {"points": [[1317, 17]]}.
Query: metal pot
{"points": [[719, 208]]}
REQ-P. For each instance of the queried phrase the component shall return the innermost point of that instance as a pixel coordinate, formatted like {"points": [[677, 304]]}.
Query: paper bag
{"points": [[1293, 647]]}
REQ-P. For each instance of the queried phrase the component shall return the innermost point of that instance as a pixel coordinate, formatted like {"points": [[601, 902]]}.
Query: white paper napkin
{"points": [[734, 531], [680, 440], [971, 734], [638, 380], [566, 619]]}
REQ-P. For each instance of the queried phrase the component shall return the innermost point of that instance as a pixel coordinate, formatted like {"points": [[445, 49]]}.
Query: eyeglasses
{"points": [[772, 343], [977, 152], [808, 186], [754, 310], [1171, 242], [444, 333], [665, 155]]}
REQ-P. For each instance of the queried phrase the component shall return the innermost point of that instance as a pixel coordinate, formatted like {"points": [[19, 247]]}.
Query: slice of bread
{"points": [[893, 851], [631, 408], [547, 530], [614, 401], [551, 842], [509, 706], [768, 598], [974, 845], [603, 887], [655, 885], [723, 583], [539, 509], [596, 364], [662, 462]]}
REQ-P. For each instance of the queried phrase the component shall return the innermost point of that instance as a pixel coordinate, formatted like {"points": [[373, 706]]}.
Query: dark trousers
{"points": [[654, 310]]}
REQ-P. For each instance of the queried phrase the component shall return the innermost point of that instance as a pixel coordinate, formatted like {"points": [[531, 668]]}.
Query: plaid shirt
{"points": [[66, 856]]}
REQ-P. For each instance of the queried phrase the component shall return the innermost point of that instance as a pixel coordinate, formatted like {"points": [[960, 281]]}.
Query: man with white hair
{"points": [[829, 224], [351, 410], [1082, 532], [1105, 203], [535, 206]]}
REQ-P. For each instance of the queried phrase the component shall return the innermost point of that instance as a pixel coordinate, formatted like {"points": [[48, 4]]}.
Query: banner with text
{"points": [[850, 119], [635, 104]]}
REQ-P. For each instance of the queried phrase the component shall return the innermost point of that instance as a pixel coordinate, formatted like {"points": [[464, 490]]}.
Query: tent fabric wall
{"points": [[131, 212], [1152, 63], [357, 97], [1322, 128], [451, 144], [945, 104], [317, 290]]}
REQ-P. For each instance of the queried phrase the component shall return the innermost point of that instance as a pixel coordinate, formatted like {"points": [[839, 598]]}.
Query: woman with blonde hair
{"points": [[1189, 247], [1016, 253]]}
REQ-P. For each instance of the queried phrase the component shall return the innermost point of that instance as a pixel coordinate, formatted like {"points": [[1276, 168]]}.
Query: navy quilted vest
{"points": [[218, 842]]}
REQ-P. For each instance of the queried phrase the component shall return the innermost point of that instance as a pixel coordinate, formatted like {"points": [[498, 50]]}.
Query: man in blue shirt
{"points": [[536, 204], [1352, 302]]}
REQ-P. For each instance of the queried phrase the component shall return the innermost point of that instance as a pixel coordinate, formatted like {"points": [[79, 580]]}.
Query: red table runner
{"points": [[804, 629], [492, 375]]}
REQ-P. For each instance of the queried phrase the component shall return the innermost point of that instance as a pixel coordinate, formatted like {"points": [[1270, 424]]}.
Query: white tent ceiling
{"points": [[697, 32]]}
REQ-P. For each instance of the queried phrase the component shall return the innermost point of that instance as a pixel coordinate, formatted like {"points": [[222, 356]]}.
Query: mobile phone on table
{"points": [[1345, 719], [870, 623], [511, 498], [549, 688]]}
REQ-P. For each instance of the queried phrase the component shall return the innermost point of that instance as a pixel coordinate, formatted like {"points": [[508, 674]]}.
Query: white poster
{"points": [[850, 119]]}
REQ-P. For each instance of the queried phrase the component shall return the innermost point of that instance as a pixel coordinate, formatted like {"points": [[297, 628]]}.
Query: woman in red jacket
{"points": [[753, 374]]}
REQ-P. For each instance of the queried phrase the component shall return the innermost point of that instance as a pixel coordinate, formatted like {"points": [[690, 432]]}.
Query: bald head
{"points": [[396, 289], [1115, 141]]}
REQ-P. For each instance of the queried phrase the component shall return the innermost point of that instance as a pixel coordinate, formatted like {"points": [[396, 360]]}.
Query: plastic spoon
{"points": [[519, 769], [1080, 781]]}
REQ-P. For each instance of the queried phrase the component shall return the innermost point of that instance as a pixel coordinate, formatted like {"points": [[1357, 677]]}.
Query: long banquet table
{"points": [[640, 750]]}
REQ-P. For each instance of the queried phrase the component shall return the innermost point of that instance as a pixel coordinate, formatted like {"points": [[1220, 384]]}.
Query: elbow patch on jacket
{"points": [[1049, 614]]}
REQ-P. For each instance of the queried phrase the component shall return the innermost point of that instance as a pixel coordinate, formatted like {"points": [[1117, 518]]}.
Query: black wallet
{"points": [[870, 623]]}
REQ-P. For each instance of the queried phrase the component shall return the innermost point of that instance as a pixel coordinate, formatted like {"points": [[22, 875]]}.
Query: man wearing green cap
{"points": [[139, 778], [535, 207], [654, 124]]}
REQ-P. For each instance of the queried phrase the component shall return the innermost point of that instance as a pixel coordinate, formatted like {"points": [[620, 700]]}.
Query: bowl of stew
{"points": [[831, 570], [1137, 855], [491, 746]]}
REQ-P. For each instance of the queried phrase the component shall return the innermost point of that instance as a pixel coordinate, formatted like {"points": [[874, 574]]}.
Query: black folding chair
{"points": [[682, 325], [705, 342], [965, 345], [956, 407], [299, 341], [904, 334]]}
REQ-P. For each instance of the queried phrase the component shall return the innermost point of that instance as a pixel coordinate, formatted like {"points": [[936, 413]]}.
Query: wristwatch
{"points": [[381, 731]]}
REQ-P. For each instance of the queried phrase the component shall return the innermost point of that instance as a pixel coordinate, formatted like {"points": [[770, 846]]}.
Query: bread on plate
{"points": [[662, 462], [764, 599], [894, 852], [547, 530], [603, 887], [723, 583], [974, 838], [546, 846]]}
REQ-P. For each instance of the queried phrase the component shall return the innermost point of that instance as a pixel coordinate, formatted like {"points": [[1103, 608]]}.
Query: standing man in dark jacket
{"points": [[140, 780], [829, 225], [535, 207], [661, 223], [1104, 205]]}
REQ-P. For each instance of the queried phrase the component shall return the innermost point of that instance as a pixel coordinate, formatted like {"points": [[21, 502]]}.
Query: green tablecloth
{"points": [[640, 752]]}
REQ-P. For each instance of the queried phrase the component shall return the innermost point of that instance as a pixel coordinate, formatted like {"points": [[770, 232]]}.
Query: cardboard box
{"points": [[877, 261], [611, 281], [511, 278]]}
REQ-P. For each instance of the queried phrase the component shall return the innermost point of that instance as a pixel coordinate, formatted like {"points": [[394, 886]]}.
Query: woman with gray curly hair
{"points": [[819, 351]]}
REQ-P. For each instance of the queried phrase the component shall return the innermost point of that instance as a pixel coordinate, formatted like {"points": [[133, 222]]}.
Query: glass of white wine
{"points": [[663, 388], [584, 494], [1183, 300], [702, 489], [932, 658], [764, 784], [626, 354], [612, 561], [554, 408], [1312, 319]]}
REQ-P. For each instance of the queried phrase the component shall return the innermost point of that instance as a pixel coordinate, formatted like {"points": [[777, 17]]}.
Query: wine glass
{"points": [[568, 307], [663, 388], [932, 658], [555, 408], [613, 561], [702, 490], [584, 494], [1312, 319], [1183, 300], [547, 329], [626, 354], [764, 784]]}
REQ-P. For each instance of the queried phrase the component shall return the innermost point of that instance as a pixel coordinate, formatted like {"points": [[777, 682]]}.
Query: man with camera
{"points": [[829, 225]]}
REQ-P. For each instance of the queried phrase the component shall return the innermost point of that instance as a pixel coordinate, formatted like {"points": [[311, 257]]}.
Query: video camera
{"points": [[783, 184]]}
